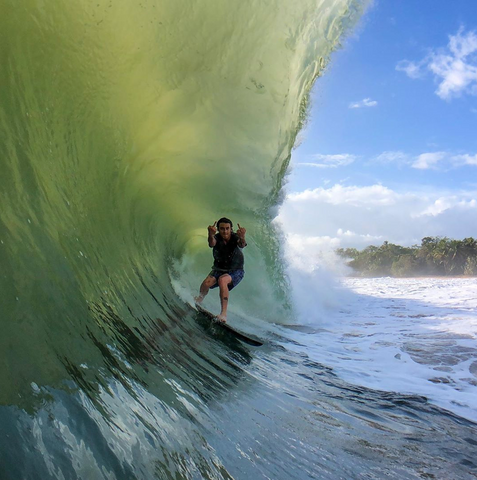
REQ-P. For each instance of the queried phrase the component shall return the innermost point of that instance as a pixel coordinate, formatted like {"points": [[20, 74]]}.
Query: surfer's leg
{"points": [[224, 281], [236, 277], [210, 281]]}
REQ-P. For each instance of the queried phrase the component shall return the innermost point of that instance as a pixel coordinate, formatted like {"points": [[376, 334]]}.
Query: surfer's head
{"points": [[225, 228]]}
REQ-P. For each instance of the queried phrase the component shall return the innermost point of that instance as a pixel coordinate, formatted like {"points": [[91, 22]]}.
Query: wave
{"points": [[128, 128]]}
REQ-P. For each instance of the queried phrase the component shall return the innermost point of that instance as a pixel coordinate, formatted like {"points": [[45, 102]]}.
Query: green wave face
{"points": [[126, 128]]}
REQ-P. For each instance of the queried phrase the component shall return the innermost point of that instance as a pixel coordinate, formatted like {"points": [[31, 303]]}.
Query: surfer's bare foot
{"points": [[222, 318], [198, 299]]}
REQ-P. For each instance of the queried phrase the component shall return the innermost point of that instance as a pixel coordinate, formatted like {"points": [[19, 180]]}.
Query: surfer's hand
{"points": [[212, 229], [241, 233]]}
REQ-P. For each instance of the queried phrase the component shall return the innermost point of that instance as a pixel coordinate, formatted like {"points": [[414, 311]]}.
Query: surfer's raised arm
{"points": [[241, 236], [212, 231]]}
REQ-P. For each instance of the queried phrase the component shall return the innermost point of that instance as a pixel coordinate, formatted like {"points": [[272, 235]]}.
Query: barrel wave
{"points": [[126, 129]]}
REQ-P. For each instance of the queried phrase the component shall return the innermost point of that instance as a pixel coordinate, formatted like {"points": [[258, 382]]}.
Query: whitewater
{"points": [[125, 129], [410, 335]]}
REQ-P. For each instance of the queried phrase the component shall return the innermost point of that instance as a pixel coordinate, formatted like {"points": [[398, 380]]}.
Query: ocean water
{"points": [[411, 335], [125, 129]]}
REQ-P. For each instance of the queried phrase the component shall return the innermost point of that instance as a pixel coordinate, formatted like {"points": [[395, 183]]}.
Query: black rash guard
{"points": [[227, 256]]}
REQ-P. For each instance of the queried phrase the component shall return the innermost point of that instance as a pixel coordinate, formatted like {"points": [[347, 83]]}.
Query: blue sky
{"points": [[390, 151]]}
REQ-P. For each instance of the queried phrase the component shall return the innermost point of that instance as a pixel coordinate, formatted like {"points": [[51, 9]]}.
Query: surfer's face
{"points": [[225, 230]]}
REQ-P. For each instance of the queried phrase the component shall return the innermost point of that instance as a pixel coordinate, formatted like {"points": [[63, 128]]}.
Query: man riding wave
{"points": [[227, 271]]}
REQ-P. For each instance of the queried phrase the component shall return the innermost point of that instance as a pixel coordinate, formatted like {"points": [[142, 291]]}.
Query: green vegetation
{"points": [[435, 256]]}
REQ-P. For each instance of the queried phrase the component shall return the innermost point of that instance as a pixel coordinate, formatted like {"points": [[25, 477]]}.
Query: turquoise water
{"points": [[126, 129]]}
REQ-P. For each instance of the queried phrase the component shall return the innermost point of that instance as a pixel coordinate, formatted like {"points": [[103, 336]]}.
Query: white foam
{"points": [[413, 336]]}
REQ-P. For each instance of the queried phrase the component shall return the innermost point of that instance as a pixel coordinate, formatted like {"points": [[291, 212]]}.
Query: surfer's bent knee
{"points": [[210, 281], [225, 279]]}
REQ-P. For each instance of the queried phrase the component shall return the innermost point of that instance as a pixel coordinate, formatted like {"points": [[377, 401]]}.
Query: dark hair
{"points": [[225, 220]]}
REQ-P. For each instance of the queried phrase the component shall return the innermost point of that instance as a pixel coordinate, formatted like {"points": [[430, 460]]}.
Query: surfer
{"points": [[227, 271]]}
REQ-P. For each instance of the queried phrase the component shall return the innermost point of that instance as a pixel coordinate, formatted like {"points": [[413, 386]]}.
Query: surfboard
{"points": [[241, 336]]}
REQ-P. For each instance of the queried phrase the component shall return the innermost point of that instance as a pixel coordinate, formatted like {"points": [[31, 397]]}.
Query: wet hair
{"points": [[225, 220]]}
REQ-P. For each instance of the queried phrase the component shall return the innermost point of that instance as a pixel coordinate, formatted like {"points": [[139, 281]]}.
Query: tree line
{"points": [[435, 256]]}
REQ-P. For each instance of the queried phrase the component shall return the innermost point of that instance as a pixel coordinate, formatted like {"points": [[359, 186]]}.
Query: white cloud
{"points": [[302, 243], [428, 160], [356, 236], [454, 68], [366, 102], [446, 203], [438, 207], [457, 71], [389, 157], [339, 195], [330, 161], [423, 161], [412, 69], [465, 159], [356, 216]]}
